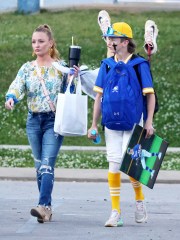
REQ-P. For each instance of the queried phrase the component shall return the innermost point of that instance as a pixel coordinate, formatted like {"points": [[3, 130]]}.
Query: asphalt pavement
{"points": [[81, 209], [81, 205]]}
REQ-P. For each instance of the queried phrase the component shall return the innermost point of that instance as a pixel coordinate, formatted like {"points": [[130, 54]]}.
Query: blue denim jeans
{"points": [[45, 144]]}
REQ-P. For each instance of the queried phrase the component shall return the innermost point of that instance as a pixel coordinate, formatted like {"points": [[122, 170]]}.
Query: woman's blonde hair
{"points": [[46, 29]]}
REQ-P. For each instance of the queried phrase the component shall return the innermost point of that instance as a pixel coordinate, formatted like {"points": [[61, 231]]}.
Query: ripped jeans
{"points": [[45, 144]]}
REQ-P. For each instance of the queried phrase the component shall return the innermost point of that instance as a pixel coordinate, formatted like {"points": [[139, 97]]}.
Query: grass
{"points": [[15, 49], [75, 159]]}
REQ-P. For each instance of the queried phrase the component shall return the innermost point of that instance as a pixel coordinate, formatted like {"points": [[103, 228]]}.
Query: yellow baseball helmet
{"points": [[119, 29]]}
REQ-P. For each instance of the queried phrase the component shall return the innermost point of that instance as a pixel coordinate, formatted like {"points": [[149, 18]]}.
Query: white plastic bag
{"points": [[71, 112], [88, 79]]}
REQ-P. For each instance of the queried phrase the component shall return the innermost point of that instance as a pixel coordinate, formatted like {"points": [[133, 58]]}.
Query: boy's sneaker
{"points": [[115, 220], [140, 213], [104, 21], [43, 214], [151, 33]]}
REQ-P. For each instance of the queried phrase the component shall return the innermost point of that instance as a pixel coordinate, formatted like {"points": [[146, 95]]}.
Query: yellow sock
{"points": [[114, 187], [137, 189]]}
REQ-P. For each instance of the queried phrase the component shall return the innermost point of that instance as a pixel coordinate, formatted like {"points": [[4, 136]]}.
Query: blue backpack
{"points": [[122, 100]]}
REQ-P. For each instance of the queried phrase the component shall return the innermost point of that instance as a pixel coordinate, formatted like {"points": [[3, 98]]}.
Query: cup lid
{"points": [[75, 46]]}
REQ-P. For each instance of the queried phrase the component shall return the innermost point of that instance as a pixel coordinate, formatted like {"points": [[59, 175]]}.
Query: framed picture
{"points": [[143, 157]]}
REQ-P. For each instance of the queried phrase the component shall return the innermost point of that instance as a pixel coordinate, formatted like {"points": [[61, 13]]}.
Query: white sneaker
{"points": [[140, 213], [114, 220], [151, 33], [104, 21]]}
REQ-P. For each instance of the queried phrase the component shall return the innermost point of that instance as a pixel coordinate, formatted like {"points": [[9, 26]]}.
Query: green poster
{"points": [[143, 157]]}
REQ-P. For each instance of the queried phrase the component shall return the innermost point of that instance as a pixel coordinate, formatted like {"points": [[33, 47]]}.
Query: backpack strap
{"points": [[109, 61], [136, 61]]}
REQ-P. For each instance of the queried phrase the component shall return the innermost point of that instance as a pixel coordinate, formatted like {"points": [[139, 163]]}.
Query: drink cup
{"points": [[74, 55]]}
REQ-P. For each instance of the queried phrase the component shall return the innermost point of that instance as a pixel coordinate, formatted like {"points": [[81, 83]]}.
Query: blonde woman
{"points": [[41, 82]]}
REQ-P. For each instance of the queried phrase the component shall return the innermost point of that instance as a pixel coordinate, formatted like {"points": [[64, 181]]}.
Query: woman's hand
{"points": [[9, 104], [74, 71]]}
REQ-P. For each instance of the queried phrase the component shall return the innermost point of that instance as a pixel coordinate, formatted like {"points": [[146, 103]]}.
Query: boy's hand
{"points": [[149, 130], [90, 134]]}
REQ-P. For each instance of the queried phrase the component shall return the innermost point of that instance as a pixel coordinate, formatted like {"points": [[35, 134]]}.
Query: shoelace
{"points": [[149, 37], [104, 25], [114, 214], [140, 206]]}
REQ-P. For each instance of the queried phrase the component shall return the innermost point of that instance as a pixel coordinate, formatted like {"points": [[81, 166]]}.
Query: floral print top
{"points": [[27, 82]]}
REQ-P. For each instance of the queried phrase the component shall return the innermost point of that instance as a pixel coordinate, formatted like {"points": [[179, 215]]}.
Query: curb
{"points": [[75, 148], [80, 175]]}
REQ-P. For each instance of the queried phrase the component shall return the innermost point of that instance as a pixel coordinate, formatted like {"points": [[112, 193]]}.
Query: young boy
{"points": [[119, 39]]}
